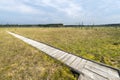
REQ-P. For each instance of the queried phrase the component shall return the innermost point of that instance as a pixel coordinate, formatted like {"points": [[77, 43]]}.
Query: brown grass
{"points": [[19, 61], [99, 44]]}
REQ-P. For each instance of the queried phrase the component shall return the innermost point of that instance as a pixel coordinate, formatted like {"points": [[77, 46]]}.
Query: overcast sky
{"points": [[59, 11]]}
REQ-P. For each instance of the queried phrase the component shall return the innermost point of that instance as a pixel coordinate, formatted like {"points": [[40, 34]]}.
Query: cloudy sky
{"points": [[59, 11]]}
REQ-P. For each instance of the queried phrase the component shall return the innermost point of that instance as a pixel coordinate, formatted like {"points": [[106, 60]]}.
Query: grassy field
{"points": [[19, 61], [99, 44]]}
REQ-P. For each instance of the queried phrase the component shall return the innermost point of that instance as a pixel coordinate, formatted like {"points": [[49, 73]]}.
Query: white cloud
{"points": [[68, 7], [67, 11], [110, 5], [16, 6]]}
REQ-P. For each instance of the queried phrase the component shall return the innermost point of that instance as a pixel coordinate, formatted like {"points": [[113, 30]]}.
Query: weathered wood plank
{"points": [[93, 75], [59, 54], [66, 58], [75, 62], [61, 57], [100, 67], [70, 60], [84, 77], [81, 64]]}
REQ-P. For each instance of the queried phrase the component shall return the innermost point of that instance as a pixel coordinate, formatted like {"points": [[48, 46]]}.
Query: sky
{"points": [[59, 11]]}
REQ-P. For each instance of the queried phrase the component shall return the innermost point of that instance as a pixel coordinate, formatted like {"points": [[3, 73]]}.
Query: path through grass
{"points": [[99, 44], [19, 61]]}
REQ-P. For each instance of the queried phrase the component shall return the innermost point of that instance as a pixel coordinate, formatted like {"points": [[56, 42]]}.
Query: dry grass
{"points": [[99, 44], [19, 61]]}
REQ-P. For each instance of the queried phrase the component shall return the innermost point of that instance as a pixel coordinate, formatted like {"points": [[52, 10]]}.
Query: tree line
{"points": [[57, 25]]}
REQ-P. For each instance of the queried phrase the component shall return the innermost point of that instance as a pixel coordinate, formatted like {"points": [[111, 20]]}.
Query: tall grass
{"points": [[19, 61], [99, 44]]}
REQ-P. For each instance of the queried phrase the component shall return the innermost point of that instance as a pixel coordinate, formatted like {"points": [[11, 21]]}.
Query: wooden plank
{"points": [[93, 75], [54, 55], [84, 77], [59, 54], [103, 68], [75, 62], [81, 65], [99, 72], [66, 58], [62, 56], [49, 50], [70, 60], [41, 47]]}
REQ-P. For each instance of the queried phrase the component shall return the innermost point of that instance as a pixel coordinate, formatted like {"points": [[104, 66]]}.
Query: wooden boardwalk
{"points": [[88, 70]]}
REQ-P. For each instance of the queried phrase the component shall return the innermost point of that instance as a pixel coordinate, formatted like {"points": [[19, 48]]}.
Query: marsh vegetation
{"points": [[100, 43], [19, 61]]}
